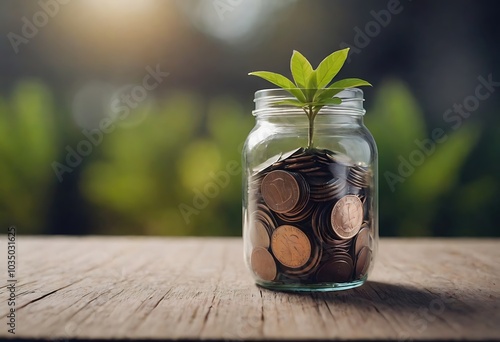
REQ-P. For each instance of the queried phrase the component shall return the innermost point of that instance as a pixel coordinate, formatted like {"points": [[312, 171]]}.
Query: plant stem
{"points": [[311, 113], [311, 129]]}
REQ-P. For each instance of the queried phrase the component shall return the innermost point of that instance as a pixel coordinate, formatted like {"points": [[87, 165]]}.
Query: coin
{"points": [[358, 176], [266, 216], [328, 191], [342, 244], [263, 264], [338, 271], [347, 217], [317, 223], [339, 170], [362, 239], [308, 268], [300, 166], [303, 214], [290, 246], [280, 191], [363, 261], [298, 159], [259, 235], [326, 232]]}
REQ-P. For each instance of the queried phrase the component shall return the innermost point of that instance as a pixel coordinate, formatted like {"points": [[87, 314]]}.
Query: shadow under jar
{"points": [[310, 211]]}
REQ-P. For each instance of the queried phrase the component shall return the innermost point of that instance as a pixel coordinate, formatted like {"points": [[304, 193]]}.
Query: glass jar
{"points": [[310, 202]]}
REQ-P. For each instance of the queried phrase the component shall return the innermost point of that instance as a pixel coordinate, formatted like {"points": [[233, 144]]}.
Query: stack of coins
{"points": [[310, 219], [264, 225]]}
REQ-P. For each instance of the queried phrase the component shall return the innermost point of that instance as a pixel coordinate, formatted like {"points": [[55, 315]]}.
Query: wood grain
{"points": [[199, 288]]}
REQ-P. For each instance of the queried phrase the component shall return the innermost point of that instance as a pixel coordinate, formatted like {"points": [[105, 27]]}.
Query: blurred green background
{"points": [[67, 68]]}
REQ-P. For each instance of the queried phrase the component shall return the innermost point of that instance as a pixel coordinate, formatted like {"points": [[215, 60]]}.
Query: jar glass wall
{"points": [[310, 213]]}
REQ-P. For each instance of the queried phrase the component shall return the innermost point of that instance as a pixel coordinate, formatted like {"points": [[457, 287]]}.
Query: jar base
{"points": [[319, 287]]}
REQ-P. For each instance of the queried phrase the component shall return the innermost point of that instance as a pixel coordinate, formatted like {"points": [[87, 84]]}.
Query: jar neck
{"points": [[270, 102], [300, 120]]}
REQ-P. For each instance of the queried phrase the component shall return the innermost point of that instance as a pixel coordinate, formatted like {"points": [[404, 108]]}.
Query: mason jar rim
{"points": [[267, 101]]}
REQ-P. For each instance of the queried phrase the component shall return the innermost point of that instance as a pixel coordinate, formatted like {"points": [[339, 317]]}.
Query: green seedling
{"points": [[313, 89]]}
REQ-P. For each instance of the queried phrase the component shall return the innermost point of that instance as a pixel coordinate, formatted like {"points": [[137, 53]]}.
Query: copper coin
{"points": [[347, 216], [319, 174], [309, 267], [300, 166], [297, 217], [280, 191], [335, 271], [298, 159], [363, 261], [344, 255], [359, 176], [259, 235], [317, 224], [362, 239], [264, 214], [291, 246], [263, 264]]}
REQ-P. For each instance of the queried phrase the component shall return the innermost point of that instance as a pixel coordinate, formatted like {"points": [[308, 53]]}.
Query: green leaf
{"points": [[330, 66], [330, 101], [338, 86], [349, 83], [311, 87], [295, 103], [326, 94], [301, 69], [282, 82]]}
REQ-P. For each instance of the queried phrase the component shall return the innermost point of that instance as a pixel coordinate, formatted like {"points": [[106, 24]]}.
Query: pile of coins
{"points": [[310, 219]]}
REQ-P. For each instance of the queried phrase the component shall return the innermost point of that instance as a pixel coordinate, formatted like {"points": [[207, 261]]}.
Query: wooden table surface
{"points": [[199, 288]]}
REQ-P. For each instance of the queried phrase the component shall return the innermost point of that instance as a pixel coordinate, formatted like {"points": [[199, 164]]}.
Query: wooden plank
{"points": [[198, 288]]}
